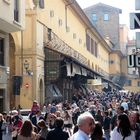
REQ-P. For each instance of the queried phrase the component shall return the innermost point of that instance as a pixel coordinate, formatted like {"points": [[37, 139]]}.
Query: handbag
{"points": [[14, 133]]}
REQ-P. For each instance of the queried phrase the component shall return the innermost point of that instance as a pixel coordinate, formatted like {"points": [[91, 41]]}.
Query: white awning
{"points": [[76, 69], [84, 72], [68, 69]]}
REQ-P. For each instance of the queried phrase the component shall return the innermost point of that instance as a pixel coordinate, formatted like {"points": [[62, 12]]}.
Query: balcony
{"points": [[8, 27]]}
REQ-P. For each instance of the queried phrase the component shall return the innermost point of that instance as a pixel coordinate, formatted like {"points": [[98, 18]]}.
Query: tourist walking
{"points": [[57, 133], [123, 130], [27, 132], [97, 132], [86, 124]]}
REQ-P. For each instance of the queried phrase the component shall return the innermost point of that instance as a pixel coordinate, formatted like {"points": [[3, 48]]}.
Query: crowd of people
{"points": [[92, 116]]}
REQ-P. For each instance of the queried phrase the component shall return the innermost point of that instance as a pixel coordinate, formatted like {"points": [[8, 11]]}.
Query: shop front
{"points": [[65, 76], [66, 69]]}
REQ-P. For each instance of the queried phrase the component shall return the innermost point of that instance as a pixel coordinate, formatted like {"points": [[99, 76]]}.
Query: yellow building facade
{"points": [[60, 49], [115, 60], [133, 86]]}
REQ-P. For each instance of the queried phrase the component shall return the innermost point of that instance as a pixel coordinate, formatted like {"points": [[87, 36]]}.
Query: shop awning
{"points": [[53, 91], [75, 67], [94, 81], [111, 82]]}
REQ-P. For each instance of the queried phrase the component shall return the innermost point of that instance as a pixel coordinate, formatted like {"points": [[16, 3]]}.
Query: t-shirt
{"points": [[115, 135]]}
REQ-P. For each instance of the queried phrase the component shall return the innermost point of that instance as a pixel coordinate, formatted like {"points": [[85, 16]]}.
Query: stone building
{"points": [[105, 18], [12, 17], [60, 53], [133, 80]]}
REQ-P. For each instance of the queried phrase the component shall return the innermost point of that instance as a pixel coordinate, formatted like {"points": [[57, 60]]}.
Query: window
{"points": [[16, 10], [1, 51], [88, 62], [96, 49], [49, 34], [128, 83], [67, 29], [138, 83], [51, 13], [41, 4], [92, 46], [92, 65], [80, 41], [106, 17], [88, 42], [60, 22], [94, 17], [74, 35]]}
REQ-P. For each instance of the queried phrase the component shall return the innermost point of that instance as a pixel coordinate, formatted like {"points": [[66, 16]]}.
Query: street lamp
{"points": [[26, 66]]}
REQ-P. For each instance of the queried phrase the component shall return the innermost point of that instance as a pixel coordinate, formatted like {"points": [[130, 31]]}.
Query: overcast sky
{"points": [[127, 6]]}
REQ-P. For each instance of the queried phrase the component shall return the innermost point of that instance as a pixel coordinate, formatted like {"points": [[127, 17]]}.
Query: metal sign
{"points": [[133, 61], [137, 5], [137, 60], [137, 40], [134, 21]]}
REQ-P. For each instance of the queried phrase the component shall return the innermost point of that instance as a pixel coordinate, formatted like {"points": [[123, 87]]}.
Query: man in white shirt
{"points": [[124, 104], [86, 125]]}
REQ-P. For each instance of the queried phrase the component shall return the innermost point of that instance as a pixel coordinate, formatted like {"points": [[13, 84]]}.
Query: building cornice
{"points": [[117, 52]]}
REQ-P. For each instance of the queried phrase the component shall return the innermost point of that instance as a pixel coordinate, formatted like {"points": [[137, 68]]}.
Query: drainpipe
{"points": [[22, 53], [45, 77], [66, 12]]}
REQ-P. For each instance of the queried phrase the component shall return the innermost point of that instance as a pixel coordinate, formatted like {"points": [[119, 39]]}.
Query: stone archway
{"points": [[14, 45]]}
